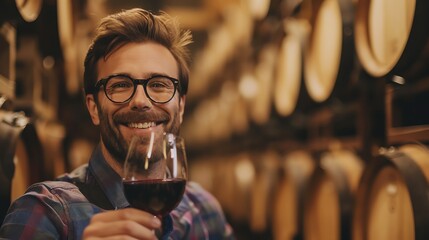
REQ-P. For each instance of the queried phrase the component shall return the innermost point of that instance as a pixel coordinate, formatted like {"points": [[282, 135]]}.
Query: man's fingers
{"points": [[129, 222], [115, 229], [132, 214]]}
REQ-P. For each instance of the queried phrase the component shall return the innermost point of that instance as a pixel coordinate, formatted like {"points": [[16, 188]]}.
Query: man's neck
{"points": [[111, 160]]}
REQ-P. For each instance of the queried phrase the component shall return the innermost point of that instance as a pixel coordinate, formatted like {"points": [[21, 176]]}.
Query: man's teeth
{"points": [[142, 125]]}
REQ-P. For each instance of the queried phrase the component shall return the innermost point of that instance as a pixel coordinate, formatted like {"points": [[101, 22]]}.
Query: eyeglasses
{"points": [[120, 88]]}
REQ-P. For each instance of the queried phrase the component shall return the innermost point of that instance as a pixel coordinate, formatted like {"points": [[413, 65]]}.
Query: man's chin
{"points": [[115, 149]]}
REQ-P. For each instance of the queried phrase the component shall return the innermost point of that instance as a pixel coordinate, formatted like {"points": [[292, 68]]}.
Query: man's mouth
{"points": [[143, 125]]}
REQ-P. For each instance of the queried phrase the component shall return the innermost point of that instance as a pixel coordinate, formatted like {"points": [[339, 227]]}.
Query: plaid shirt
{"points": [[60, 210]]}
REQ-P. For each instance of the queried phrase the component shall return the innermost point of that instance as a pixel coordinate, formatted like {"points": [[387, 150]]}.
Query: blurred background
{"points": [[307, 119]]}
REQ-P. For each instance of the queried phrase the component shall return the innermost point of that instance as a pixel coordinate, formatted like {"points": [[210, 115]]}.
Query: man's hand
{"points": [[128, 223]]}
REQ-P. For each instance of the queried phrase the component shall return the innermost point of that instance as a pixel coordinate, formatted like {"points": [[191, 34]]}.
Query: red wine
{"points": [[157, 196]]}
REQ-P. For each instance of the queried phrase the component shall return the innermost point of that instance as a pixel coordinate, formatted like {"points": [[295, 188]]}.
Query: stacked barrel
{"points": [[354, 77], [31, 137]]}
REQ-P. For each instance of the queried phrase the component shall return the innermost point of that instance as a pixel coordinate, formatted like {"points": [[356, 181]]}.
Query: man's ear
{"points": [[182, 101], [92, 108]]}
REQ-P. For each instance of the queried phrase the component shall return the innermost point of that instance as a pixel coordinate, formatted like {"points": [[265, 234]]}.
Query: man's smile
{"points": [[143, 125]]}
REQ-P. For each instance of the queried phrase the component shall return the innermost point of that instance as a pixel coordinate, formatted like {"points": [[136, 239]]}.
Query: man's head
{"points": [[137, 25], [138, 45]]}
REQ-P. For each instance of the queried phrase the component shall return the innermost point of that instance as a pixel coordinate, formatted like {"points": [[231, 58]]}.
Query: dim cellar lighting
{"points": [[398, 79], [244, 172], [248, 86]]}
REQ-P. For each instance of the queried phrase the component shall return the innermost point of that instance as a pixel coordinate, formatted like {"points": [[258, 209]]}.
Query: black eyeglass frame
{"points": [[136, 82]]}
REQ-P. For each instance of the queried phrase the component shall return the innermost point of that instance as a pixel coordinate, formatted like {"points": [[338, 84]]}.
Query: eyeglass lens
{"points": [[158, 89]]}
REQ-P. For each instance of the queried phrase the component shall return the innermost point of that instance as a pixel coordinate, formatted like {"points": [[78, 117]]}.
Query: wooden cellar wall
{"points": [[289, 122]]}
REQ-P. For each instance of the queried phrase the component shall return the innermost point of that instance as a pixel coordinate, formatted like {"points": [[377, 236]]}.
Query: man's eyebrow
{"points": [[151, 74], [145, 76]]}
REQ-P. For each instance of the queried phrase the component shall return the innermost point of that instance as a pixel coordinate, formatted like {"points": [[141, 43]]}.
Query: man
{"points": [[89, 203]]}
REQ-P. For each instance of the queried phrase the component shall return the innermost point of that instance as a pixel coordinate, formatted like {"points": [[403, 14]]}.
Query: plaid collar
{"points": [[109, 181]]}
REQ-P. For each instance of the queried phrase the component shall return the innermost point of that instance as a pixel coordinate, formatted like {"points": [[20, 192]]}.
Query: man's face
{"points": [[140, 116]]}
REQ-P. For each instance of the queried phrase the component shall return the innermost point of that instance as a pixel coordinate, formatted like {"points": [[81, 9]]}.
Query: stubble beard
{"points": [[116, 144]]}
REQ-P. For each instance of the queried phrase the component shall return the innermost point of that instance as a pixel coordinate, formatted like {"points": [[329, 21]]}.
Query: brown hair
{"points": [[137, 25]]}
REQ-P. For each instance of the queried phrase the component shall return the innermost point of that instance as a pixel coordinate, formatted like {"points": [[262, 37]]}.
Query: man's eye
{"points": [[158, 85], [121, 85]]}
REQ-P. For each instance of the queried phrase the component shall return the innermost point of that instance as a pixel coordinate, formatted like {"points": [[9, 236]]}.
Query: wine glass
{"points": [[155, 173]]}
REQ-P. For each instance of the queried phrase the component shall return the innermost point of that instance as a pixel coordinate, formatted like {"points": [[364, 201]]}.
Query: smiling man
{"points": [[135, 80], [124, 109]]}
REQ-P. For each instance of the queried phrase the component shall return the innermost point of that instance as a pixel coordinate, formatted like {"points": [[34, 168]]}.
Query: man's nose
{"points": [[140, 100]]}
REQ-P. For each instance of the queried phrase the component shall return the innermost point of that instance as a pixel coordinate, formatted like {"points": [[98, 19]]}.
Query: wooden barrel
{"points": [[244, 176], [328, 61], [258, 9], [7, 67], [206, 171], [262, 192], [288, 75], [392, 200], [391, 36], [29, 10], [203, 172], [21, 157], [260, 111], [51, 135], [239, 115], [77, 151], [20, 10], [329, 201], [296, 170], [67, 34], [229, 179]]}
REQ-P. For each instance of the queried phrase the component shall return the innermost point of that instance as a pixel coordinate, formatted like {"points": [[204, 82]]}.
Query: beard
{"points": [[115, 142]]}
